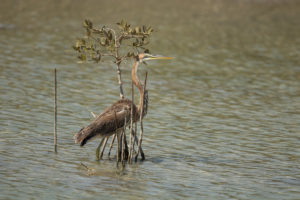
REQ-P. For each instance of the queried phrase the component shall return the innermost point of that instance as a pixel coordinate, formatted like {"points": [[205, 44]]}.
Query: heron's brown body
{"points": [[108, 122], [114, 118]]}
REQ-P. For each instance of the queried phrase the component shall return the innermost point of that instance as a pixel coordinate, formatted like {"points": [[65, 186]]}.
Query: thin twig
{"points": [[108, 54], [118, 62], [94, 115], [84, 166], [55, 112], [91, 171], [132, 36]]}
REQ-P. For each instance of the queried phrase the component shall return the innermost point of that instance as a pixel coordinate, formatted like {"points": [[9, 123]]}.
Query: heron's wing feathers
{"points": [[112, 119], [107, 123]]}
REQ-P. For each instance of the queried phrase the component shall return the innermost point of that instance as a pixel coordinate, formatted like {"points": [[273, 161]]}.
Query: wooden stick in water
{"points": [[55, 112]]}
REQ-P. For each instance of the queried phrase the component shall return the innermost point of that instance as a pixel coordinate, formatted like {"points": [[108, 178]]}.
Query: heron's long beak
{"points": [[157, 57]]}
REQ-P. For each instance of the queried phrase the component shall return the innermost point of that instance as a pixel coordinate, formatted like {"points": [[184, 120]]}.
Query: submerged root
{"points": [[90, 171]]}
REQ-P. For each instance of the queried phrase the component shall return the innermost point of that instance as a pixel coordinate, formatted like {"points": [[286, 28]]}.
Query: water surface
{"points": [[223, 120]]}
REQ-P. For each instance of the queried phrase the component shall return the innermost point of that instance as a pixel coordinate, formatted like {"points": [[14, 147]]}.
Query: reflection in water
{"points": [[223, 118]]}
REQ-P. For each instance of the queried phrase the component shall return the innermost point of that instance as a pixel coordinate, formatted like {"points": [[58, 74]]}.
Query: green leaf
{"points": [[130, 54], [105, 33], [88, 32], [82, 57], [106, 42], [88, 24], [135, 43], [78, 43], [82, 41], [97, 31], [76, 48], [120, 26], [137, 29], [123, 23], [149, 30], [109, 35], [102, 41], [127, 27], [97, 57]]}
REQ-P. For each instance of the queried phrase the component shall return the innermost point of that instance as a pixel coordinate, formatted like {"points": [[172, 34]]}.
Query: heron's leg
{"points": [[111, 144], [119, 148], [121, 142], [126, 152], [123, 146], [132, 150], [98, 148], [141, 121], [104, 145], [141, 150], [132, 142], [130, 145]]}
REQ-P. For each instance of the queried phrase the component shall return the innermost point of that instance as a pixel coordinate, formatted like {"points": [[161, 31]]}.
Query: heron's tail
{"points": [[84, 135]]}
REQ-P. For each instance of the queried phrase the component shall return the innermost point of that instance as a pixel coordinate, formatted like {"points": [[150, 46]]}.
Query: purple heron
{"points": [[113, 119]]}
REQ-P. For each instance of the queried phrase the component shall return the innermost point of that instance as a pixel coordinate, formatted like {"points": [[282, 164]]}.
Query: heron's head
{"points": [[145, 56]]}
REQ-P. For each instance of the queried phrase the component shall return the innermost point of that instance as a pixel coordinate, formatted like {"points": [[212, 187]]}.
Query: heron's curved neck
{"points": [[137, 83]]}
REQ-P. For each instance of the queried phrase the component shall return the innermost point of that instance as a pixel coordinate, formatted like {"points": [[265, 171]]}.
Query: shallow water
{"points": [[223, 119]]}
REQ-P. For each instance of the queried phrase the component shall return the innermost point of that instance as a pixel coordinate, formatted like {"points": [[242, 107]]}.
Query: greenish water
{"points": [[223, 119]]}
